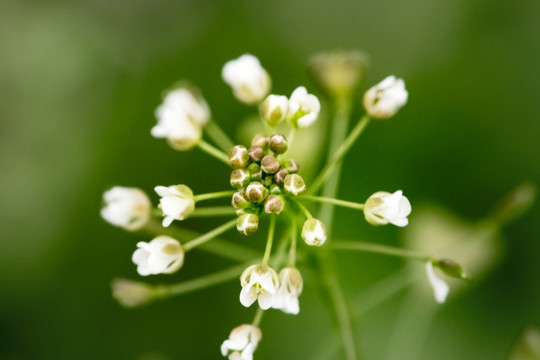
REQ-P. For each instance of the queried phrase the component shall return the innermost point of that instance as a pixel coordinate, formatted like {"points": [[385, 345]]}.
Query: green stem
{"points": [[214, 195], [302, 208], [201, 282], [294, 236], [290, 137], [209, 235], [258, 317], [335, 160], [212, 151], [379, 249], [270, 239], [219, 136], [343, 203], [213, 211]]}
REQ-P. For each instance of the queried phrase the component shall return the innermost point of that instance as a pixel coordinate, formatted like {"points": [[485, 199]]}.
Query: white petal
{"points": [[265, 300], [162, 191], [167, 220], [440, 288], [248, 295]]}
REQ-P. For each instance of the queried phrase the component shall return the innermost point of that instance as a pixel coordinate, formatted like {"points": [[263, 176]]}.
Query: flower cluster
{"points": [[266, 183]]}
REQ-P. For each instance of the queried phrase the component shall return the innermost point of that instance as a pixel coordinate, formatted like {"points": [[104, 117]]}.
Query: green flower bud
{"points": [[256, 192], [274, 109], [270, 164], [238, 157], [268, 180], [255, 171], [294, 184], [239, 178], [314, 232], [452, 269], [239, 200], [260, 141], [247, 223], [274, 204], [275, 189], [280, 176], [291, 166], [256, 153], [278, 144]]}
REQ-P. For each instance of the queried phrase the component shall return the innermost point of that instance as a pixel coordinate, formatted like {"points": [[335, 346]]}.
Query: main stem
{"points": [[209, 235], [270, 239], [218, 136]]}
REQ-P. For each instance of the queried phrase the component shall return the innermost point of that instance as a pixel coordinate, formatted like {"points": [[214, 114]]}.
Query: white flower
{"points": [[247, 78], [386, 98], [303, 108], [162, 255], [440, 288], [274, 109], [290, 287], [314, 232], [125, 207], [180, 119], [242, 342], [259, 282], [176, 202], [382, 208]]}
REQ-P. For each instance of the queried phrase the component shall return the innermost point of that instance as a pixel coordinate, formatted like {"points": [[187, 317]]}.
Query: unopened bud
{"points": [[239, 200], [452, 269], [239, 178], [268, 180], [270, 164], [278, 144], [255, 171], [247, 223], [275, 189], [274, 109], [132, 293], [274, 204], [291, 166], [238, 156], [294, 184], [256, 153], [256, 192], [314, 232], [260, 141], [280, 176]]}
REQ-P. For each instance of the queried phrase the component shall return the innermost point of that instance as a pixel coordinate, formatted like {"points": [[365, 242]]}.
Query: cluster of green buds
{"points": [[263, 176]]}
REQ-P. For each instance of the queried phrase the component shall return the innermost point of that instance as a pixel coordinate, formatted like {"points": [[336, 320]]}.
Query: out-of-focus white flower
{"points": [[383, 100], [303, 108], [162, 255], [125, 207], [242, 342], [132, 293], [440, 288], [176, 202], [259, 282], [274, 109], [290, 287], [382, 208], [314, 232], [248, 79], [180, 118]]}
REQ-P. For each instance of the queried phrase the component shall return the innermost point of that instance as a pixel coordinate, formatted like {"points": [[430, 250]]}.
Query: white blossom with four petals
{"points": [[259, 282], [440, 288], [176, 202], [382, 208], [248, 79], [126, 207], [242, 342], [383, 100], [304, 108], [162, 255], [290, 288]]}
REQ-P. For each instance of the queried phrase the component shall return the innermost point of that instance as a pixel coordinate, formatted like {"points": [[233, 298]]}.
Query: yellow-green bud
{"points": [[255, 171], [247, 223], [274, 109], [278, 144], [239, 178], [274, 204], [275, 189], [291, 166], [452, 269], [280, 176], [260, 141], [294, 184], [314, 232], [256, 192], [238, 156], [270, 164], [239, 200], [132, 293], [256, 153]]}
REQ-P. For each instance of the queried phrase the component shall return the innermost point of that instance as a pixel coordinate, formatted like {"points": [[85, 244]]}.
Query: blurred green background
{"points": [[79, 82]]}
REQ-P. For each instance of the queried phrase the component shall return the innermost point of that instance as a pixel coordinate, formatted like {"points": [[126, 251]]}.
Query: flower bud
{"points": [[269, 164], [314, 232], [440, 288], [162, 255], [275, 189], [247, 78], [382, 208], [278, 144], [304, 108], [128, 208], [260, 141], [238, 157], [255, 171], [268, 180], [280, 176], [176, 202], [132, 293], [291, 166], [338, 73], [451, 268], [290, 288], [239, 178], [274, 109], [294, 184], [247, 223], [384, 100], [274, 204], [239, 200], [256, 192], [256, 153]]}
